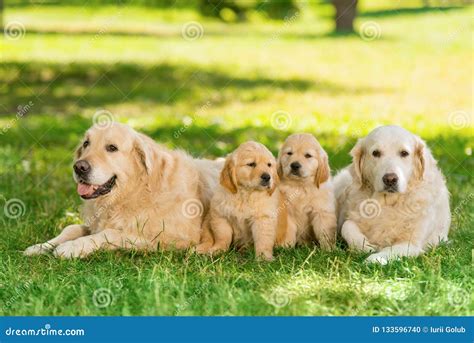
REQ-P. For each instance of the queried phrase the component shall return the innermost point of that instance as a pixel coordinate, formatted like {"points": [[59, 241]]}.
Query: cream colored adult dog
{"points": [[392, 200], [309, 195], [137, 194], [244, 210]]}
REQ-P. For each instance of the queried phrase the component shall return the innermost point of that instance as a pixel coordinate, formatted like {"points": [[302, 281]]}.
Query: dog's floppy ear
{"points": [[276, 180], [323, 172], [228, 179], [357, 154], [419, 158], [144, 151]]}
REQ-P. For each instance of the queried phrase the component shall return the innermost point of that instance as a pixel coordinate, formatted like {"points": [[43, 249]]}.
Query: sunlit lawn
{"points": [[206, 96]]}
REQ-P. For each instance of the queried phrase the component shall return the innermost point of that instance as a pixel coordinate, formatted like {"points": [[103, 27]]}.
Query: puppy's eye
{"points": [[85, 144], [253, 164], [111, 148], [289, 153], [308, 155], [269, 164], [376, 153], [404, 153]]}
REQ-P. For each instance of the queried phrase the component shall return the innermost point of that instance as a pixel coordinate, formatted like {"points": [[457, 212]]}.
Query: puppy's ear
{"points": [[357, 154], [419, 158], [228, 179], [323, 172], [276, 180], [144, 152]]}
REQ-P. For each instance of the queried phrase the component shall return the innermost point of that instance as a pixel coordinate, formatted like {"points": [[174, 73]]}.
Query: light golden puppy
{"points": [[137, 194], [392, 200], [245, 208], [308, 192]]}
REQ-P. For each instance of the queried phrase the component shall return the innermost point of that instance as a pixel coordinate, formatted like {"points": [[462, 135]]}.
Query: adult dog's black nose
{"points": [[390, 179], [265, 177], [295, 166], [82, 167]]}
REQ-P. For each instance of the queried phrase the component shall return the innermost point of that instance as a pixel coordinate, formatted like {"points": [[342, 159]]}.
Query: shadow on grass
{"points": [[215, 140], [68, 88], [408, 11]]}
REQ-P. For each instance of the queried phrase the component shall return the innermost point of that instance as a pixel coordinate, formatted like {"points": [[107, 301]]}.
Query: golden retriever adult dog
{"points": [[137, 195], [245, 208], [308, 191], [392, 200]]}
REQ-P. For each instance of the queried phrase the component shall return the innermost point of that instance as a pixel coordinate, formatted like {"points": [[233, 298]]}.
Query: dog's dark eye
{"points": [[85, 144], [269, 164], [404, 153], [253, 164], [289, 153], [308, 155], [376, 153], [111, 148]]}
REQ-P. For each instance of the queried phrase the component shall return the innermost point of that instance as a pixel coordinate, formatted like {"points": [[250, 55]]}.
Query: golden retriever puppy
{"points": [[392, 200], [308, 191], [137, 194], [245, 208]]}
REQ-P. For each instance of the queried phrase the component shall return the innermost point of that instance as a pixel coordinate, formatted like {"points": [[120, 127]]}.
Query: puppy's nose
{"points": [[265, 177], [390, 179], [295, 166], [82, 167]]}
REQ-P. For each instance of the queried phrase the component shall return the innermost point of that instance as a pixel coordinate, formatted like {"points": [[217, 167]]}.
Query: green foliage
{"points": [[207, 96]]}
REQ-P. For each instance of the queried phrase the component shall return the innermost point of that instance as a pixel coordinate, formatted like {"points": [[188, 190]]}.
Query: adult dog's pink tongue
{"points": [[85, 189]]}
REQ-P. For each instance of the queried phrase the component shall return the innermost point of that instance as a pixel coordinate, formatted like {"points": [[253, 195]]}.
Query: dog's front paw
{"points": [[71, 249], [38, 249], [265, 256], [380, 258]]}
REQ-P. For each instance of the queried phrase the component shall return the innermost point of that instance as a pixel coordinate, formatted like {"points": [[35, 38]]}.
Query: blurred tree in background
{"points": [[346, 11]]}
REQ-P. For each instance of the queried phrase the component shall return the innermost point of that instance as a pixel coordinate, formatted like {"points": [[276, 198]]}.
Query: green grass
{"points": [[135, 64]]}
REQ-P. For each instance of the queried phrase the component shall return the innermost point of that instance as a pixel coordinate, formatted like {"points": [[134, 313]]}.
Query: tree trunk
{"points": [[346, 11]]}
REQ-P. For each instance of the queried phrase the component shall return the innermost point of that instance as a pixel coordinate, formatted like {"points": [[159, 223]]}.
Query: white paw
{"points": [[380, 257], [71, 249], [38, 249]]}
